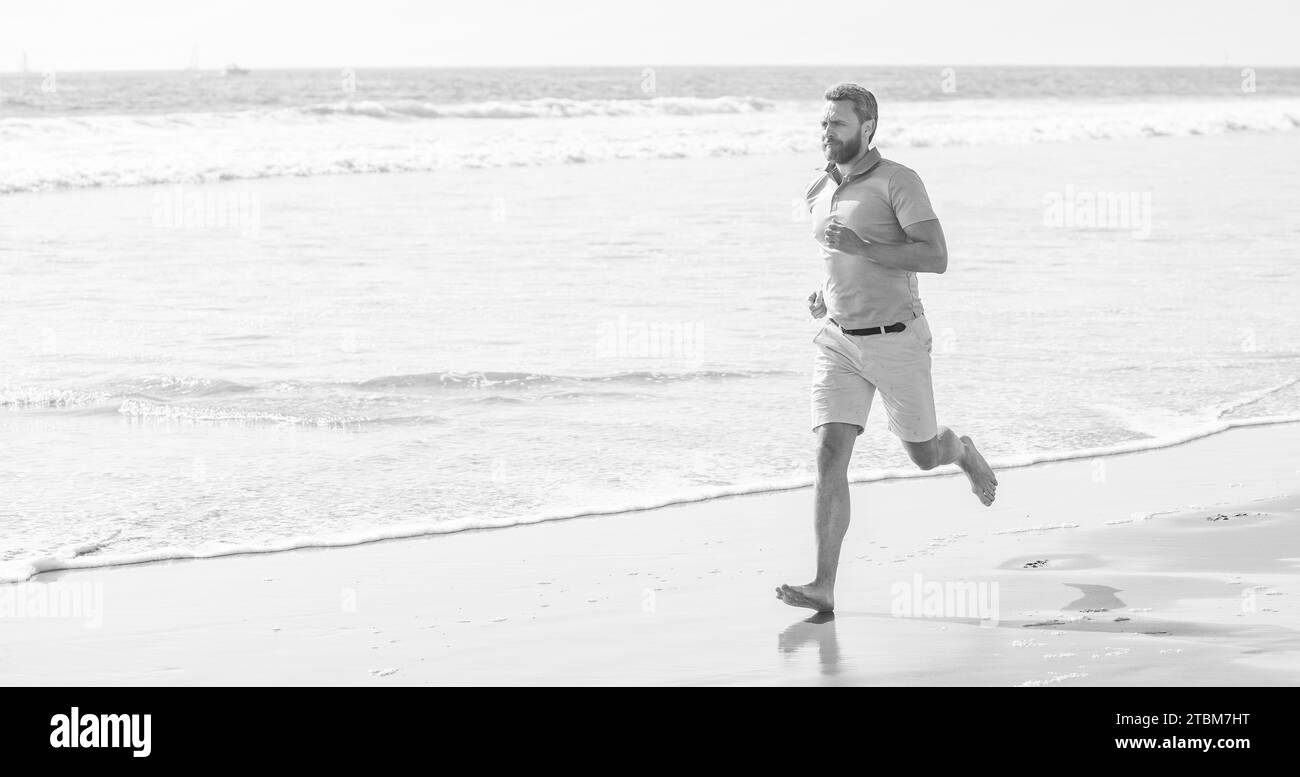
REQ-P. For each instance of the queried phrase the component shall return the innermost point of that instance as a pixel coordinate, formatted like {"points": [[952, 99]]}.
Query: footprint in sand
{"points": [[382, 672]]}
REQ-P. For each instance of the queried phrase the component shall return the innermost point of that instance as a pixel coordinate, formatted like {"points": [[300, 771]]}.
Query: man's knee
{"points": [[924, 454], [835, 447]]}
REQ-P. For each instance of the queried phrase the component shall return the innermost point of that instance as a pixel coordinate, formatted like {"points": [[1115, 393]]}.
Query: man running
{"points": [[876, 230]]}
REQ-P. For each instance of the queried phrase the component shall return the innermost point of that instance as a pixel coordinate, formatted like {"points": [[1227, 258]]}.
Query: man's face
{"points": [[842, 133]]}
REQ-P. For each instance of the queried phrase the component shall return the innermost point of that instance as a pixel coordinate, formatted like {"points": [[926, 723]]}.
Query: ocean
{"points": [[304, 308]]}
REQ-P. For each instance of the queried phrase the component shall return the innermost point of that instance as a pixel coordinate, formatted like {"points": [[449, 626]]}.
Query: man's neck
{"points": [[845, 167]]}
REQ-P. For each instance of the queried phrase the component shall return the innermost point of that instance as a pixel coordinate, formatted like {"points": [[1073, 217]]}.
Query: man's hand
{"points": [[816, 305], [841, 238]]}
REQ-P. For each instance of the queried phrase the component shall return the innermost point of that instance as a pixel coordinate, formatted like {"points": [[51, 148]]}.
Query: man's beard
{"points": [[846, 150]]}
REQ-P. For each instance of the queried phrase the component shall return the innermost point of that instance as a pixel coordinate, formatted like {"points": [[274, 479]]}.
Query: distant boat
{"points": [[235, 70]]}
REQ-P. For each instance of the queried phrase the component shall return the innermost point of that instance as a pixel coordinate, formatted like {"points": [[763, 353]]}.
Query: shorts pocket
{"points": [[832, 343], [921, 329]]}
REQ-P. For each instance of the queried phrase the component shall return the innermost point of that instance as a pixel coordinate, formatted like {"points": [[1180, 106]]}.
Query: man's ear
{"points": [[868, 131]]}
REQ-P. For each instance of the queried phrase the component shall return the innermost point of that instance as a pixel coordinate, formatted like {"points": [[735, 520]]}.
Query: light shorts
{"points": [[848, 369]]}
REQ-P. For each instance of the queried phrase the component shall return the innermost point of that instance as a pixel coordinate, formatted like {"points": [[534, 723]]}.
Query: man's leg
{"points": [[907, 390], [830, 517], [947, 448]]}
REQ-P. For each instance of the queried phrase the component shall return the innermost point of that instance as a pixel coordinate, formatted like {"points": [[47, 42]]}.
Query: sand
{"points": [[1178, 566]]}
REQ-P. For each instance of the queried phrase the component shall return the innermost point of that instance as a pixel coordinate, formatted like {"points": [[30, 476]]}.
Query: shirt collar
{"points": [[864, 164]]}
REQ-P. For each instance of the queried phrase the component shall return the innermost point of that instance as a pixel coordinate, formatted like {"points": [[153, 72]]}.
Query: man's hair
{"points": [[864, 102]]}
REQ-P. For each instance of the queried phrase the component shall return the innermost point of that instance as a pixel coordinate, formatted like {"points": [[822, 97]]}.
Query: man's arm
{"points": [[925, 251]]}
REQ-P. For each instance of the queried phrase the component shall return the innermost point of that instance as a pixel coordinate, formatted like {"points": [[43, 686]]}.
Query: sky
{"points": [[71, 35]]}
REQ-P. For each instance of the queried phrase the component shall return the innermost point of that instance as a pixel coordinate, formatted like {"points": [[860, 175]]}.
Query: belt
{"points": [[871, 330]]}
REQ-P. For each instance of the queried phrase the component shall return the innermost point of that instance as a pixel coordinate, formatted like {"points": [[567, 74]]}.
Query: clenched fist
{"points": [[841, 238], [816, 305]]}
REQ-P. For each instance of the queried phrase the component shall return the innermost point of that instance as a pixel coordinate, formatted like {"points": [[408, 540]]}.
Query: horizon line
{"points": [[218, 69]]}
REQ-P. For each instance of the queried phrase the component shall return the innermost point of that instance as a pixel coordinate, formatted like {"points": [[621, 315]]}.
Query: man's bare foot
{"points": [[983, 483], [814, 597]]}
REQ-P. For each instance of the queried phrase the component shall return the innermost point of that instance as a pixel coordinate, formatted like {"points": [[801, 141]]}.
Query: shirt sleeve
{"points": [[908, 196]]}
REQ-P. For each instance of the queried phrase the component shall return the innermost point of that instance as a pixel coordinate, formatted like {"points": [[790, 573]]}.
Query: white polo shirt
{"points": [[876, 200]]}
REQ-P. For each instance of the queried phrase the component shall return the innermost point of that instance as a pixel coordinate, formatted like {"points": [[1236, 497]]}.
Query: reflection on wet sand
{"points": [[820, 628], [1095, 598]]}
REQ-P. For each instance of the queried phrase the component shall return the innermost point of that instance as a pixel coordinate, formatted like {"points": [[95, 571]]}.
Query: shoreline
{"points": [[1154, 567], [49, 564]]}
